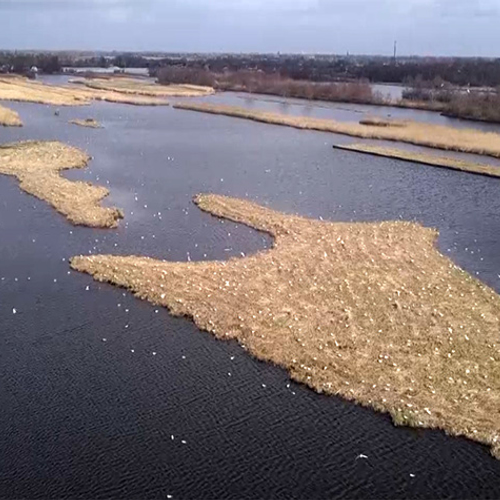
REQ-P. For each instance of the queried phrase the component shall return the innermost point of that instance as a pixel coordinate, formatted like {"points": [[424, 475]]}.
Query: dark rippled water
{"points": [[82, 416]]}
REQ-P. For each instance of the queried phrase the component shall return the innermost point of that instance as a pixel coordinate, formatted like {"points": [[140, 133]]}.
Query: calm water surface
{"points": [[321, 109], [82, 416]]}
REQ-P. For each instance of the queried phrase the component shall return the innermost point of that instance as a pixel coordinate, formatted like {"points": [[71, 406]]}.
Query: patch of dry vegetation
{"points": [[88, 122], [272, 84], [9, 118], [376, 121], [37, 166], [475, 106], [117, 97], [140, 87], [22, 89], [462, 103], [419, 134], [368, 311], [423, 158]]}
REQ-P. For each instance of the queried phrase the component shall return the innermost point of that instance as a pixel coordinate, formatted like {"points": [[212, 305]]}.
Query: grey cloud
{"points": [[464, 8], [362, 26]]}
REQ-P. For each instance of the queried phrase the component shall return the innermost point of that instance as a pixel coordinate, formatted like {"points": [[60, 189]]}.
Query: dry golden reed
{"points": [[22, 89], [88, 122], [371, 312], [9, 118], [423, 158], [140, 87], [376, 121], [37, 166], [420, 134]]}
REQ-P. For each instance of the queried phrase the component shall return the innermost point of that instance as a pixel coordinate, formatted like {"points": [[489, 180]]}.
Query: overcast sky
{"points": [[424, 27]]}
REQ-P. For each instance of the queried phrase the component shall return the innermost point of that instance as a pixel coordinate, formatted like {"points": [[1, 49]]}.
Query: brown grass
{"points": [[9, 118], [140, 87], [423, 158], [24, 90], [420, 134], [88, 122], [37, 166], [368, 311]]}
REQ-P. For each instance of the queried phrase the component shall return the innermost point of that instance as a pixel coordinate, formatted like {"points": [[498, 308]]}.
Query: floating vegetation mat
{"points": [[371, 312], [376, 121], [9, 118], [37, 166], [420, 134], [88, 122], [423, 158]]}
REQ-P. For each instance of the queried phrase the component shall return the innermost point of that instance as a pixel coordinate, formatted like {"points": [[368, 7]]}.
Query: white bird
{"points": [[361, 456], [14, 310]]}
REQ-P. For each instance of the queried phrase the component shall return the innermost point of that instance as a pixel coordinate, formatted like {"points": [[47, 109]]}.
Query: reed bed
{"points": [[419, 134], [9, 118], [376, 121], [24, 90], [88, 122], [140, 87], [371, 312], [423, 159], [37, 166]]}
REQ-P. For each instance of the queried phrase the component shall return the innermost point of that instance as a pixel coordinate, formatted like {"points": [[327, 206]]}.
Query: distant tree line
{"points": [[474, 72], [457, 71], [21, 62]]}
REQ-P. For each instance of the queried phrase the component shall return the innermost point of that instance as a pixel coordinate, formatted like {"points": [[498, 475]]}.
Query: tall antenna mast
{"points": [[395, 50]]}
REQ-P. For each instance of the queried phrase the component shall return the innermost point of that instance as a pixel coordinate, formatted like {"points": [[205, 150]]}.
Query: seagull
{"points": [[361, 456]]}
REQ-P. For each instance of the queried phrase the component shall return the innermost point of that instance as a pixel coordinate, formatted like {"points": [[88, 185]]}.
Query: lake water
{"points": [[81, 417], [320, 109]]}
